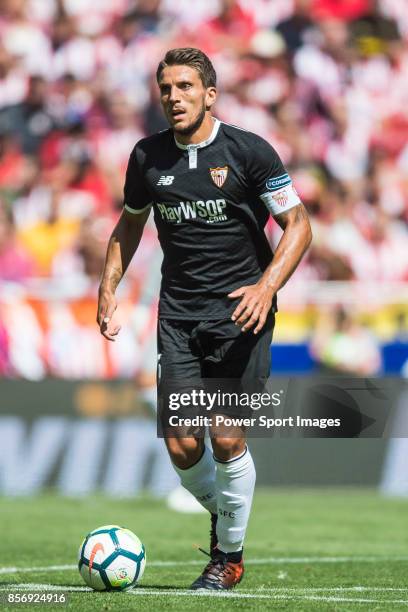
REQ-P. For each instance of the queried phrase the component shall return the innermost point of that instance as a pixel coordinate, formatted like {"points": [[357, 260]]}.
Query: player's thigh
{"points": [[176, 356], [178, 374], [241, 355]]}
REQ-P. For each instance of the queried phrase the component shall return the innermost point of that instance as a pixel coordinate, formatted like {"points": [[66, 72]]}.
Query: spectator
{"points": [[15, 263], [342, 345], [30, 121], [295, 28], [46, 238]]}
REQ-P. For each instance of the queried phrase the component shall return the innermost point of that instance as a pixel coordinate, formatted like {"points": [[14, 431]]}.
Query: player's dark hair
{"points": [[188, 56]]}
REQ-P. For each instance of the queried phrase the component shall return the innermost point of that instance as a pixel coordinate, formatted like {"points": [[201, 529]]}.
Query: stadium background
{"points": [[326, 83]]}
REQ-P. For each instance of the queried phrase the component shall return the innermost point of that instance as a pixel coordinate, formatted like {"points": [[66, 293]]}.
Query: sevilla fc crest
{"points": [[219, 175], [281, 197]]}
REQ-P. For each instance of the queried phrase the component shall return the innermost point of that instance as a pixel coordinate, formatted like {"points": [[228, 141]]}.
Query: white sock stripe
{"points": [[233, 459], [191, 466]]}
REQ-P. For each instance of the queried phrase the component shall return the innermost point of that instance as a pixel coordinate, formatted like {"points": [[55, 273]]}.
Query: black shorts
{"points": [[212, 356], [213, 349]]}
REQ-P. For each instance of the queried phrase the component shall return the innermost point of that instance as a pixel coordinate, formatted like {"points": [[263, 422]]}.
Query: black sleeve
{"points": [[137, 198], [269, 179]]}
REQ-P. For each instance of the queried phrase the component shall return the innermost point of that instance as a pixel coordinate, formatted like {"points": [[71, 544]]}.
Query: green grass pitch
{"points": [[321, 549]]}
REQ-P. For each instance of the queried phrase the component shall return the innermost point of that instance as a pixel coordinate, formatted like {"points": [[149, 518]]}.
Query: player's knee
{"points": [[184, 452], [227, 448]]}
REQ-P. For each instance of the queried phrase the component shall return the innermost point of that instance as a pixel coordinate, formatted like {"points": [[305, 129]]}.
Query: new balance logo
{"points": [[165, 180]]}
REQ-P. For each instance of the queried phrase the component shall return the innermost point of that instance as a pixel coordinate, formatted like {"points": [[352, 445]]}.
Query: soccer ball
{"points": [[111, 558]]}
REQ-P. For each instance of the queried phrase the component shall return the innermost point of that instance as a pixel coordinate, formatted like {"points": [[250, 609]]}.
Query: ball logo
{"points": [[122, 573], [219, 175], [98, 547]]}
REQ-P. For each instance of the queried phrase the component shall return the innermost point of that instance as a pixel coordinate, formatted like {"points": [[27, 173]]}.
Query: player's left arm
{"points": [[270, 182], [257, 299]]}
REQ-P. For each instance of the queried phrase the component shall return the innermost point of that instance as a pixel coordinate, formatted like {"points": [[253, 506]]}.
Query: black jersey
{"points": [[211, 202]]}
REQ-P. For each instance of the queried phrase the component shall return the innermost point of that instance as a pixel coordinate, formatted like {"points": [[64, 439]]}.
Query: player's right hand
{"points": [[106, 307]]}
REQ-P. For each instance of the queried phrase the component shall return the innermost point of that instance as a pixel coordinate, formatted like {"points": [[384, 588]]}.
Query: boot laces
{"points": [[217, 566]]}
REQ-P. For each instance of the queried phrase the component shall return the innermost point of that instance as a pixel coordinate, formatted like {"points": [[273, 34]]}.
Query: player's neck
{"points": [[201, 134]]}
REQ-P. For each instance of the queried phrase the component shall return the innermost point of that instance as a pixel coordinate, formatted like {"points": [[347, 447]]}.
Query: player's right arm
{"points": [[123, 244]]}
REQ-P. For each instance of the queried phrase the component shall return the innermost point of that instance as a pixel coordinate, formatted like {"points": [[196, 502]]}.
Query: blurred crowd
{"points": [[324, 81]]}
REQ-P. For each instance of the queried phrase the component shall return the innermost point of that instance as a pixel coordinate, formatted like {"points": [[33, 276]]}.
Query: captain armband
{"points": [[281, 195]]}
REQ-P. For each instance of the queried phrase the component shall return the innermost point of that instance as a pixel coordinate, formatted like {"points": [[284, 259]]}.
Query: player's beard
{"points": [[194, 126]]}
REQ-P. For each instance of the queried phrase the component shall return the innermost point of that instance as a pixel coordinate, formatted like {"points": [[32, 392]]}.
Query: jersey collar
{"points": [[204, 143]]}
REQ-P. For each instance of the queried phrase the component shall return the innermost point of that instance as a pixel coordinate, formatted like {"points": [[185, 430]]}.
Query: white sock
{"points": [[200, 480], [235, 482]]}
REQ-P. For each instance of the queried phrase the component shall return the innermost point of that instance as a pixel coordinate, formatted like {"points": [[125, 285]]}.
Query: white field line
{"points": [[265, 561], [277, 596], [35, 586], [36, 569], [340, 599], [259, 591], [234, 595]]}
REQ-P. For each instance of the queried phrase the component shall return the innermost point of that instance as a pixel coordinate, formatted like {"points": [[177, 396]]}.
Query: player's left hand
{"points": [[254, 306]]}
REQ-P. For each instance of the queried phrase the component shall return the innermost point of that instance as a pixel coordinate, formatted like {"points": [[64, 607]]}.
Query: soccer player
{"points": [[212, 187]]}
